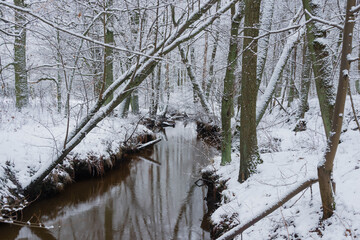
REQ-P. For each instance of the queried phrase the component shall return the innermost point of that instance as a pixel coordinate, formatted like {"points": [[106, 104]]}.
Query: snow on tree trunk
{"points": [[325, 167], [276, 75], [263, 43], [134, 76], [249, 154], [227, 103], [21, 84], [195, 83], [321, 63], [305, 84]]}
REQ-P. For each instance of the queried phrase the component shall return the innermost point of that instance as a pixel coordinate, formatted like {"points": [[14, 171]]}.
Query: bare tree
{"points": [[325, 167]]}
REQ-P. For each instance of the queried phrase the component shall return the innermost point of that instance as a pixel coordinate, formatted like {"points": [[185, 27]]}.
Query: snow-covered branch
{"points": [[355, 9], [280, 65], [323, 21], [136, 75], [56, 26], [242, 227]]}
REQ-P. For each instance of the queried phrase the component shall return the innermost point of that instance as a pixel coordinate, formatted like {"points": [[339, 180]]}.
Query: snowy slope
{"points": [[294, 160]]}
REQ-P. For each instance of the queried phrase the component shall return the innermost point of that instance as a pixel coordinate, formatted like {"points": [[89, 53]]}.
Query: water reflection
{"points": [[151, 197]]}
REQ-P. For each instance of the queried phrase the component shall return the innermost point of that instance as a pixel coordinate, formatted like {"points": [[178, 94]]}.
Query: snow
{"points": [[288, 163], [31, 139], [270, 89]]}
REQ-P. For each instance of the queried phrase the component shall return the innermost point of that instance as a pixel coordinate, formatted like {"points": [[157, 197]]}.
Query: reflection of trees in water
{"points": [[140, 200]]}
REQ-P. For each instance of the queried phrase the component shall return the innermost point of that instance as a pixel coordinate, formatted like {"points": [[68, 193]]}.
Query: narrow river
{"points": [[152, 196]]}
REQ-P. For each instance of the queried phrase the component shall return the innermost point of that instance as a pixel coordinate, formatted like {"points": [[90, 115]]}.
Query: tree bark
{"points": [[108, 62], [325, 167], [305, 83], [21, 84], [195, 83], [275, 78], [263, 44], [227, 103], [321, 64], [249, 155]]}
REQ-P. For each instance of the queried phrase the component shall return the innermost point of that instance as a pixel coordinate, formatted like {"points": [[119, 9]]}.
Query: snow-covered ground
{"points": [[31, 138], [293, 159]]}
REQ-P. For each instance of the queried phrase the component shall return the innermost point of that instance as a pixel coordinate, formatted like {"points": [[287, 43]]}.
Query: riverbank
{"points": [[291, 158], [31, 138], [151, 195]]}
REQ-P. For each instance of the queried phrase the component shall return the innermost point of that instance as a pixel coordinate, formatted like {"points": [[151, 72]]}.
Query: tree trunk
{"points": [[227, 103], [357, 82], [135, 102], [305, 83], [59, 79], [196, 86], [21, 85], [213, 56], [249, 155], [108, 62], [292, 88], [277, 73], [321, 64], [204, 70], [237, 230], [325, 167], [263, 44], [135, 76]]}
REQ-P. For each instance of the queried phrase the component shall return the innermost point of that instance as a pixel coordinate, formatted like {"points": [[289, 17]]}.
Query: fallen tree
{"points": [[242, 227]]}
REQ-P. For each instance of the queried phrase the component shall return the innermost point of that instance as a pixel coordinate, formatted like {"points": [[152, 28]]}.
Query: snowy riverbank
{"points": [[30, 139], [290, 159]]}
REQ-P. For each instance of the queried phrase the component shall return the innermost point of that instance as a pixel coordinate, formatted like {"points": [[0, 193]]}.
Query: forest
{"points": [[272, 86]]}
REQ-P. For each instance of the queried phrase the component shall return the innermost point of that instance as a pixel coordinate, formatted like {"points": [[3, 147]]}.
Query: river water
{"points": [[152, 196]]}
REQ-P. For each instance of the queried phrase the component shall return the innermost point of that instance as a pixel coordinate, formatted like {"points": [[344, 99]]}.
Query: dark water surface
{"points": [[150, 197]]}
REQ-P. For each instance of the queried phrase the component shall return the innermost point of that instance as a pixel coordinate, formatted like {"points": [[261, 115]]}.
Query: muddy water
{"points": [[153, 196]]}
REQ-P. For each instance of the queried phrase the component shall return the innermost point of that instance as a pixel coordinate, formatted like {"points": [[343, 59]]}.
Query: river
{"points": [[151, 196]]}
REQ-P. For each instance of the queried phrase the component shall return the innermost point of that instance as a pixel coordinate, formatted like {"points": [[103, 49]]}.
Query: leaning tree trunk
{"points": [[249, 155], [263, 44], [135, 75], [227, 103], [278, 70], [195, 83], [21, 85], [321, 63], [325, 167]]}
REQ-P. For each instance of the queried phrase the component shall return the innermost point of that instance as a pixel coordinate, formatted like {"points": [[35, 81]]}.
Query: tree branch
{"points": [[242, 227], [317, 19]]}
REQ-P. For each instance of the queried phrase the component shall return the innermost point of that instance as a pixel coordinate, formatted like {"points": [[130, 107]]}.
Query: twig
{"points": [[137, 124]]}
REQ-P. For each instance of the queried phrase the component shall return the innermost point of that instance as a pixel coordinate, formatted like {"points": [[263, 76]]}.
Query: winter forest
{"points": [[188, 119]]}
